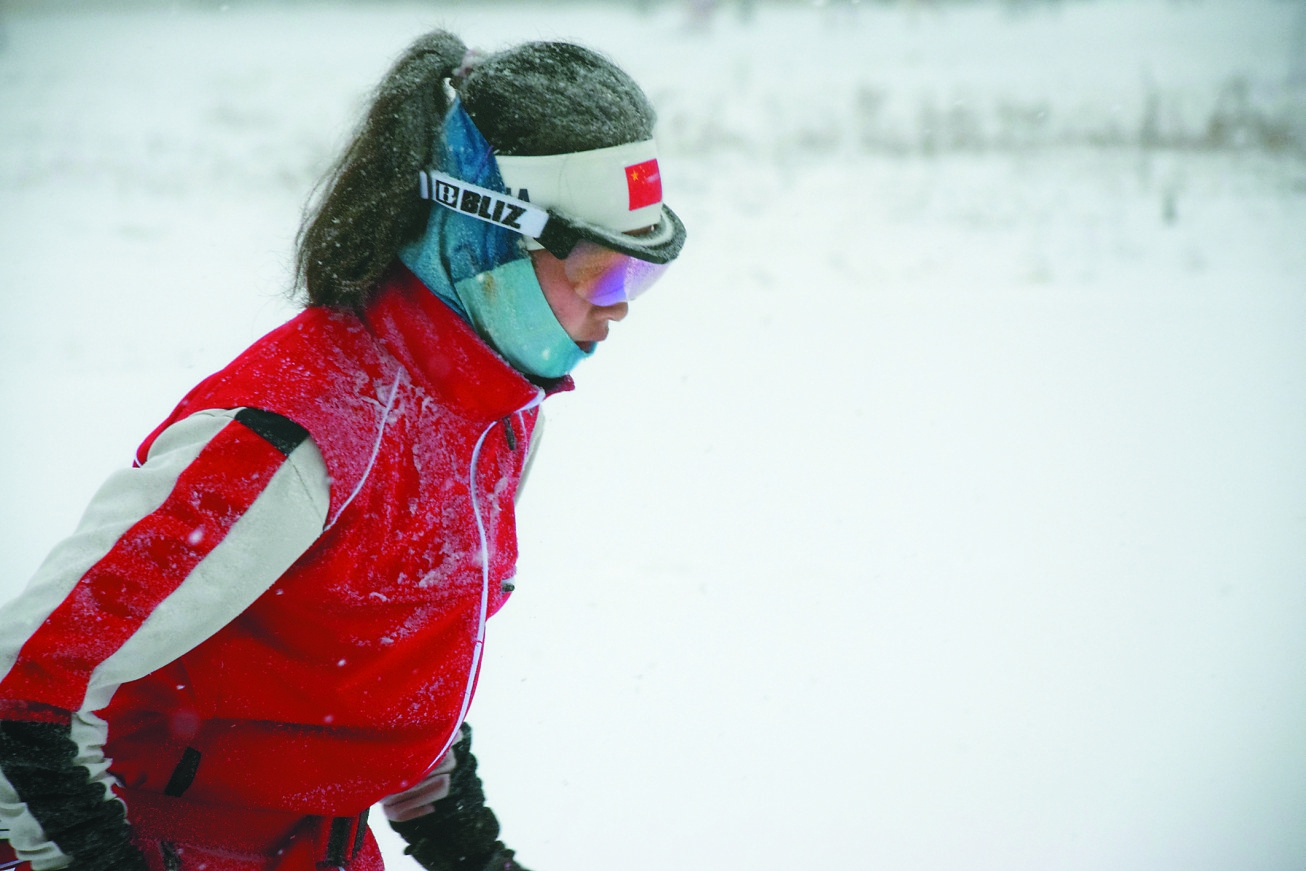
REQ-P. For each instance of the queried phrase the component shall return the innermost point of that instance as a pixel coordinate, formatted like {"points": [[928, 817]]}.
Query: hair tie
{"points": [[470, 62]]}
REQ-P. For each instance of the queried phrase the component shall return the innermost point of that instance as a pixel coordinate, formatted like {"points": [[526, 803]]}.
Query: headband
{"points": [[617, 188]]}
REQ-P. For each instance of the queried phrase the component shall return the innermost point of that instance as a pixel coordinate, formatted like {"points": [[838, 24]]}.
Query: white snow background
{"points": [[943, 508]]}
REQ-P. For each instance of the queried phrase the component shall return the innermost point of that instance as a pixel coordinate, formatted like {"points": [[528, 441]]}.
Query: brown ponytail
{"points": [[367, 206]]}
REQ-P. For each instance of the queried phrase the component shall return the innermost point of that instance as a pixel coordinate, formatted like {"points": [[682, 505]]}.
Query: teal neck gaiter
{"points": [[482, 271]]}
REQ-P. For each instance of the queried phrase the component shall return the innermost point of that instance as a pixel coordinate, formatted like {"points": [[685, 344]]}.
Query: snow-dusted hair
{"points": [[536, 98]]}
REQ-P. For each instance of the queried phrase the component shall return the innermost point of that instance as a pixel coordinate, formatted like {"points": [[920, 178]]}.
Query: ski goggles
{"points": [[606, 267]]}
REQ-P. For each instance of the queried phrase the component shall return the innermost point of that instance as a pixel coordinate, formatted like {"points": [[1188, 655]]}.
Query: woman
{"points": [[274, 620]]}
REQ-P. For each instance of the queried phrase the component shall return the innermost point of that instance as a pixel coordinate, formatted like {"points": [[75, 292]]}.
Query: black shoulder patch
{"points": [[281, 432]]}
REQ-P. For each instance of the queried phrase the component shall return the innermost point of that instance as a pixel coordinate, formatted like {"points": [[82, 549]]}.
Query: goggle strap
{"points": [[482, 204], [558, 239]]}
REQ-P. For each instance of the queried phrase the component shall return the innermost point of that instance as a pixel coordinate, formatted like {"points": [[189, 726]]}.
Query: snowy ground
{"points": [[945, 508]]}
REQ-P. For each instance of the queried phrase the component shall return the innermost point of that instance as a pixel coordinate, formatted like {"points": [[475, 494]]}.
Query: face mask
{"points": [[483, 271], [506, 306]]}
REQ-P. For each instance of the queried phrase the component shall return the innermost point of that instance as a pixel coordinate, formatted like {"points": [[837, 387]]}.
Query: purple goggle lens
{"points": [[606, 277]]}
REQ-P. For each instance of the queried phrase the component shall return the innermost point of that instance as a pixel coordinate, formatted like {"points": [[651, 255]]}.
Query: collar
{"points": [[445, 356]]}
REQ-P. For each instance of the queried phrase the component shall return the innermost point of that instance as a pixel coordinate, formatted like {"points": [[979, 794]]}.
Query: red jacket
{"points": [[347, 678]]}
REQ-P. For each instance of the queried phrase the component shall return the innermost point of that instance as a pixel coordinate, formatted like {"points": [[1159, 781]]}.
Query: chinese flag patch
{"points": [[644, 182]]}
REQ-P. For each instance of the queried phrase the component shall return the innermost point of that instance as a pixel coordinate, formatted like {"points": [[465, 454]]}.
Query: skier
{"points": [[274, 620]]}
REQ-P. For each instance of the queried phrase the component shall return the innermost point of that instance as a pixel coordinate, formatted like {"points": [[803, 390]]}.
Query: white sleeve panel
{"points": [[128, 496], [285, 519]]}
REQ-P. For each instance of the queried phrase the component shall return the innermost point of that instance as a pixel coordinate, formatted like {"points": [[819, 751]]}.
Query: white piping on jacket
{"points": [[536, 434], [376, 449], [485, 583]]}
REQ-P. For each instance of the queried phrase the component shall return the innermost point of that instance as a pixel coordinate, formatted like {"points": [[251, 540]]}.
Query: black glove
{"points": [[460, 833], [39, 761]]}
